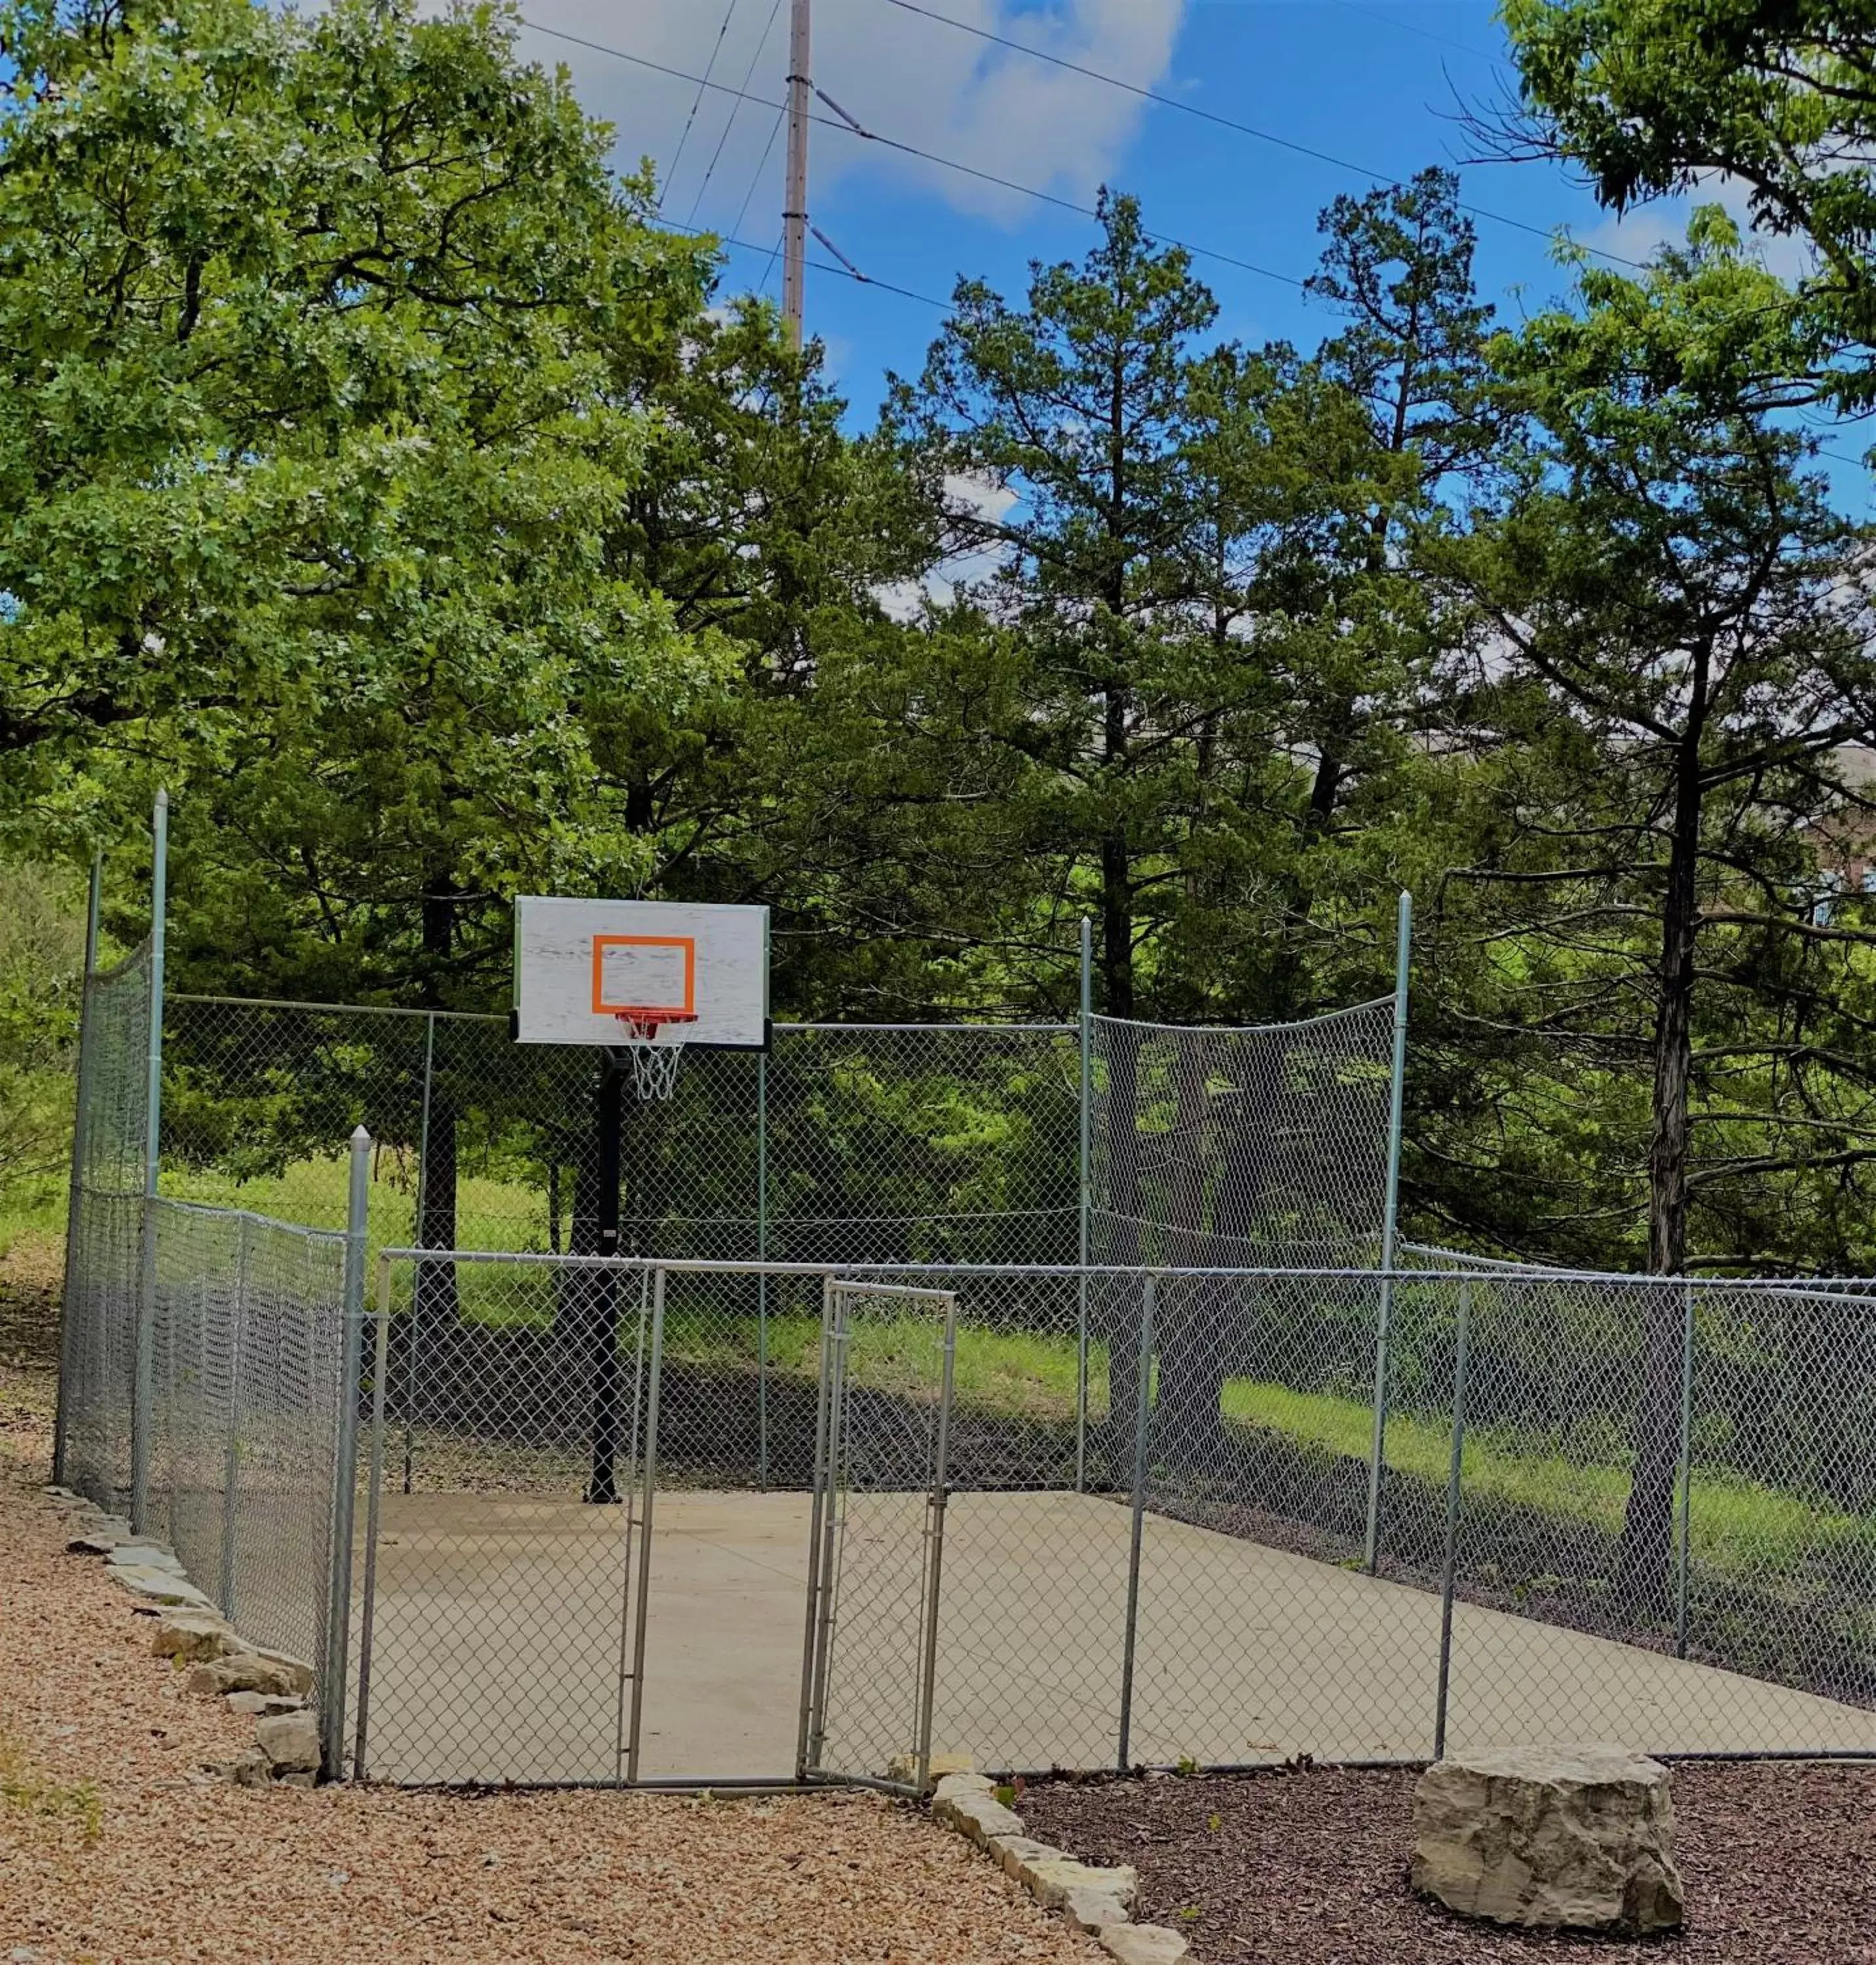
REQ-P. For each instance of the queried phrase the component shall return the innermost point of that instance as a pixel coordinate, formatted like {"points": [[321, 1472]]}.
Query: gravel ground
{"points": [[115, 1845], [1311, 1868]]}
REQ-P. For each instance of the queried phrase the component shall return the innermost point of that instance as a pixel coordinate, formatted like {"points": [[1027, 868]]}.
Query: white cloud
{"points": [[898, 73], [1639, 233]]}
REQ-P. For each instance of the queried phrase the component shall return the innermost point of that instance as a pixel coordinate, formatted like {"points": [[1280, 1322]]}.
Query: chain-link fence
{"points": [[246, 1356], [1609, 1507], [844, 1143], [104, 1244], [1242, 1148], [1211, 1483], [200, 1381]]}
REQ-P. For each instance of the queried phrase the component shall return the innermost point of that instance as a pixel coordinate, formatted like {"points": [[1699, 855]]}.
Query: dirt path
{"points": [[115, 1844]]}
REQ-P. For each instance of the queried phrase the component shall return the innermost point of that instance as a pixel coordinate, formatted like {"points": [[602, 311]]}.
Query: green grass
{"points": [[490, 1213], [1733, 1525], [33, 1212]]}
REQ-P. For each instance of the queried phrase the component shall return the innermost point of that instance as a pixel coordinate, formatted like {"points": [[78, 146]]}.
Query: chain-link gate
{"points": [[502, 1585], [876, 1566]]}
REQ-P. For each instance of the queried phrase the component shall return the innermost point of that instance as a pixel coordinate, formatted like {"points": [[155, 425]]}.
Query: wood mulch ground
{"points": [[115, 1843], [1309, 1868]]}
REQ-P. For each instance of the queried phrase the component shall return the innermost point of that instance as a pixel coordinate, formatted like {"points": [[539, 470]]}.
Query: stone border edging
{"points": [[273, 1690], [1090, 1899]]}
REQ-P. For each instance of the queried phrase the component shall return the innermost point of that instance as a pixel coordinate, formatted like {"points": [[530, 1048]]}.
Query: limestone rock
{"points": [[1143, 1943], [159, 1586], [1017, 1855], [191, 1636], [291, 1742], [951, 1786], [92, 1542], [979, 1816], [1049, 1883], [904, 1767], [144, 1555], [1559, 1837], [1092, 1910], [269, 1672], [262, 1705]]}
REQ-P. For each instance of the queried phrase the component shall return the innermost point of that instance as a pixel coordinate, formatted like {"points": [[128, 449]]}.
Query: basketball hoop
{"points": [[654, 1064]]}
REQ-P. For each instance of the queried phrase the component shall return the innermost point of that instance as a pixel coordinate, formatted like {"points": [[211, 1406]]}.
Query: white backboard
{"points": [[577, 962]]}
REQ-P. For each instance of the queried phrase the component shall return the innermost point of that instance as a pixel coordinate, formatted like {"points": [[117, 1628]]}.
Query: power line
{"points": [[842, 121], [1043, 196], [1226, 122], [1427, 34], [846, 123], [768, 150], [697, 101], [735, 110], [818, 266]]}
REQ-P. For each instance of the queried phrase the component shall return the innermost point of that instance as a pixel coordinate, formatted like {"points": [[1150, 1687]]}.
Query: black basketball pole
{"points": [[608, 1422]]}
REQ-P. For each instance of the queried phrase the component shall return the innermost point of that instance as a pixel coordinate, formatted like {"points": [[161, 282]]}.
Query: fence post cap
{"points": [[360, 1137]]}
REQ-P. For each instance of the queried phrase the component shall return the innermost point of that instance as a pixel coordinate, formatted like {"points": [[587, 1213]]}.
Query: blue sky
{"points": [[1375, 82]]}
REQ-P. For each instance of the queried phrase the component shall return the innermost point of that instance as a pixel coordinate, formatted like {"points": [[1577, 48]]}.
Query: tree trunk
{"points": [[1647, 1527], [1117, 1298], [1191, 1345]]}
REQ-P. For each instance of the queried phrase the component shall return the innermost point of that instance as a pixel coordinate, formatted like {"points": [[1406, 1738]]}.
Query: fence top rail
{"points": [[170, 1205], [128, 959], [1248, 1029], [859, 1286], [497, 1017], [831, 1030], [1453, 1260], [858, 1270], [336, 1009]]}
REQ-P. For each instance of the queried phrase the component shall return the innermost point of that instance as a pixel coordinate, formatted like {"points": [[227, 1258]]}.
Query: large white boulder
{"points": [[1553, 1838]]}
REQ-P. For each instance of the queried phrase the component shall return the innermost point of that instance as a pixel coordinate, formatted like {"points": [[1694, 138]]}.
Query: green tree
{"points": [[311, 449], [1171, 524], [272, 288], [1398, 265], [1671, 651], [1663, 96]]}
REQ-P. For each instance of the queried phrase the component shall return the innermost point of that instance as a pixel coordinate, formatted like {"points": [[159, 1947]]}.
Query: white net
{"points": [[654, 1063]]}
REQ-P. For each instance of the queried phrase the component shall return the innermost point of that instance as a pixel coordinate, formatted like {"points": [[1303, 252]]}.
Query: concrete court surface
{"points": [[502, 1628]]}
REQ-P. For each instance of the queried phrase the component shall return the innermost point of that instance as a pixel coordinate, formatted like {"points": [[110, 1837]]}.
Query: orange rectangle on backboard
{"points": [[685, 944]]}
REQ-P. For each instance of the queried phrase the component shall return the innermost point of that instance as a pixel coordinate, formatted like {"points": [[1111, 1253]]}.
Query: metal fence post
{"points": [[650, 1491], [1686, 1471], [68, 1323], [331, 1676], [934, 1567], [231, 1456], [1142, 1408], [1086, 1173], [810, 1643], [833, 1523], [373, 1507], [143, 1397], [628, 1578], [1390, 1225], [1450, 1562], [762, 1282]]}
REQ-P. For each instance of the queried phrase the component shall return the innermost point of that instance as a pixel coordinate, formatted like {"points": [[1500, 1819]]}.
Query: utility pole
{"points": [[795, 206]]}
